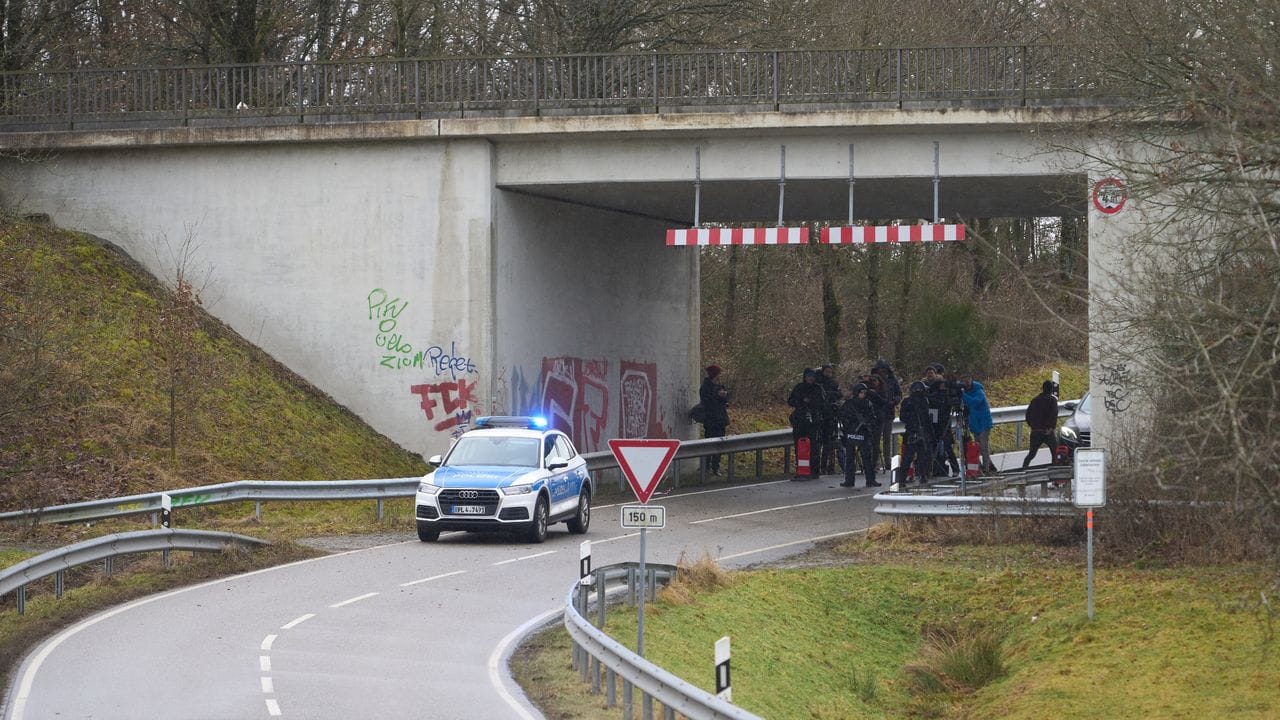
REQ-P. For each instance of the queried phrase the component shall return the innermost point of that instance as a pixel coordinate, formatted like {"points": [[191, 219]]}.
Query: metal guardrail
{"points": [[342, 90], [57, 562], [596, 654], [260, 491]]}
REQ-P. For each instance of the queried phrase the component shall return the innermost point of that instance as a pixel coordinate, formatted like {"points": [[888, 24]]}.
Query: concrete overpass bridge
{"points": [[424, 249]]}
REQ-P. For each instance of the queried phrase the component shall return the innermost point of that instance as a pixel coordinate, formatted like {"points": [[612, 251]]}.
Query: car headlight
{"points": [[1067, 432], [517, 490], [427, 488]]}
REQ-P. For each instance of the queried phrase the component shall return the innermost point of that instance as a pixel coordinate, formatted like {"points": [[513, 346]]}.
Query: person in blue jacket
{"points": [[978, 416]]}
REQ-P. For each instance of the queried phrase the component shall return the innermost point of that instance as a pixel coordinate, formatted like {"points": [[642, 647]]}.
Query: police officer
{"points": [[918, 440], [807, 400], [828, 433], [858, 425], [943, 402]]}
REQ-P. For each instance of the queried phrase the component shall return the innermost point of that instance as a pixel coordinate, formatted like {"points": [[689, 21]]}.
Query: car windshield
{"points": [[495, 450], [1084, 404]]}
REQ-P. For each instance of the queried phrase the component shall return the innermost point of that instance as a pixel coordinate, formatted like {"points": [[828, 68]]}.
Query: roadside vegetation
{"points": [[925, 620]]}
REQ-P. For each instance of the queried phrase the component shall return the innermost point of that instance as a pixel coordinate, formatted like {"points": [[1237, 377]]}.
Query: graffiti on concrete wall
{"points": [[575, 398], [450, 405], [397, 353], [637, 411], [1116, 378]]}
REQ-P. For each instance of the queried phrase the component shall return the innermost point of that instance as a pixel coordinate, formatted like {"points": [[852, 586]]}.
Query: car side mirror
{"points": [[1069, 406], [435, 460], [557, 465]]}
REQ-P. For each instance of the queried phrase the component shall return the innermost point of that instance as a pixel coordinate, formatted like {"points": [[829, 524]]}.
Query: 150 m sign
{"points": [[644, 516]]}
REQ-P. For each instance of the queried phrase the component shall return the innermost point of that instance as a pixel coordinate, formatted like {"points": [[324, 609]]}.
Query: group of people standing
{"points": [[855, 429]]}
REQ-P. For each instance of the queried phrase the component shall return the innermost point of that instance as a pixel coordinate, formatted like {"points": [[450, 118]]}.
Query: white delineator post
{"points": [[723, 689]]}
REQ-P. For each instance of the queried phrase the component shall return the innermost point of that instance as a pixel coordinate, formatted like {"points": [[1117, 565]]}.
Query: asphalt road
{"points": [[405, 630]]}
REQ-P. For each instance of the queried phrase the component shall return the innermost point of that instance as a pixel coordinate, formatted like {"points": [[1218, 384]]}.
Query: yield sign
{"points": [[643, 461]]}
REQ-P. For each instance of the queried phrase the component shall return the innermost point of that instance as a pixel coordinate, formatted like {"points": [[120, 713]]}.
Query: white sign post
{"points": [[643, 462], [1089, 490], [723, 688]]}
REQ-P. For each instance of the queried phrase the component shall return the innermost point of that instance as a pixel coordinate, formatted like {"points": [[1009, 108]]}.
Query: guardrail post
{"points": [[759, 463], [610, 688], [59, 584], [786, 460], [668, 713], [1017, 436], [628, 712], [595, 676], [164, 556], [22, 600], [646, 705], [257, 511], [600, 603], [108, 566], [380, 511], [730, 475], [632, 597]]}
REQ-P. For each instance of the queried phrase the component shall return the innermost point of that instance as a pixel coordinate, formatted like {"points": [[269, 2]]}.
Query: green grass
{"points": [[849, 641]]}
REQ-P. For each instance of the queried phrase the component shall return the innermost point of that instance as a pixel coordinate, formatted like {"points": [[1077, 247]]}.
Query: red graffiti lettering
{"points": [[453, 396]]}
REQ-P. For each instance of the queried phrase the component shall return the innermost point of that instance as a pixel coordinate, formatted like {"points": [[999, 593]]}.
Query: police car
{"points": [[508, 474]]}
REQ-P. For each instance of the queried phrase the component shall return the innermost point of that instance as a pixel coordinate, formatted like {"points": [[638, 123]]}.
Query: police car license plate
{"points": [[468, 509]]}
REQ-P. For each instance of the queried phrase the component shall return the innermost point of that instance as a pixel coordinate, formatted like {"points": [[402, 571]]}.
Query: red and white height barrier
{"points": [[739, 236], [892, 234], [856, 234]]}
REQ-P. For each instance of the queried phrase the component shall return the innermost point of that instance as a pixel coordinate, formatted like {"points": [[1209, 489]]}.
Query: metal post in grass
{"points": [[1089, 490]]}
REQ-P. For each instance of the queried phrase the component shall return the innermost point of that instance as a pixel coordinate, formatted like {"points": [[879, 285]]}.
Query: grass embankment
{"points": [[867, 639], [91, 347]]}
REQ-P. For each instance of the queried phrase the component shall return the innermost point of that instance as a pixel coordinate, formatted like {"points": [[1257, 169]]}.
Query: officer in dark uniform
{"points": [[858, 425], [918, 440]]}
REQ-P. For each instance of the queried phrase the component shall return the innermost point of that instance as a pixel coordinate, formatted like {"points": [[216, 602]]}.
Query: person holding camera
{"points": [[714, 398], [807, 400]]}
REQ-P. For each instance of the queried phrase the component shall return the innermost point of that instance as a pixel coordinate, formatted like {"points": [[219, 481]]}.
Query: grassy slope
{"points": [[97, 420], [1166, 643]]}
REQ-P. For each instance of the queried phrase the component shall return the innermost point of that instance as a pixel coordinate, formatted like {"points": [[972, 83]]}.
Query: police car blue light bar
{"points": [[517, 421]]}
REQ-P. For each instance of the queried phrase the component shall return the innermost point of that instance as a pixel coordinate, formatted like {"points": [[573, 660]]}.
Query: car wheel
{"points": [[537, 530], [427, 533], [579, 523]]}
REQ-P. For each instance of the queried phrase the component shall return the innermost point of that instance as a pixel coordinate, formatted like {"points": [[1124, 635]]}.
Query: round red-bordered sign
{"points": [[1109, 196]]}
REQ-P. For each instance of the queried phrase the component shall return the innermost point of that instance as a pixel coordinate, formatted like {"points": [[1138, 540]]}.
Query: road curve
{"points": [[403, 630]]}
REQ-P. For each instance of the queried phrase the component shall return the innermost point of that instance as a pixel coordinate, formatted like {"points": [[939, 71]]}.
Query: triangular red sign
{"points": [[643, 462]]}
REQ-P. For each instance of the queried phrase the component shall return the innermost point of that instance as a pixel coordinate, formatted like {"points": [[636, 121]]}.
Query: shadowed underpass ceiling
{"points": [[827, 200]]}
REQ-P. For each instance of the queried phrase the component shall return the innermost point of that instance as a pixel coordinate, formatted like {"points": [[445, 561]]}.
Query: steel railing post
{"points": [[22, 600], [898, 73], [628, 712], [380, 510], [301, 95], [777, 82], [417, 89], [610, 688], [71, 117], [59, 583], [656, 104], [759, 463], [1024, 75]]}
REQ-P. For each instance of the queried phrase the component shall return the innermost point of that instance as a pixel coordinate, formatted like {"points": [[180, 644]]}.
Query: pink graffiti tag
{"points": [[575, 397], [453, 396]]}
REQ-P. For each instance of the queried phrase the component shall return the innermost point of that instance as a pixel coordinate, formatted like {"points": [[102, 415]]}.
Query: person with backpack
{"points": [[1042, 416], [858, 424], [917, 439], [807, 400], [714, 399]]}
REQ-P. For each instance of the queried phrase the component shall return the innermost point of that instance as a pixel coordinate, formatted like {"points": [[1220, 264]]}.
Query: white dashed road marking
{"points": [[526, 557], [298, 621], [773, 509], [273, 707], [267, 641], [354, 599], [433, 577], [794, 542], [268, 686], [264, 663]]}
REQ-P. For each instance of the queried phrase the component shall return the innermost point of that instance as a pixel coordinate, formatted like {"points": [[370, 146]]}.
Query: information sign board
{"points": [[635, 517], [1089, 487]]}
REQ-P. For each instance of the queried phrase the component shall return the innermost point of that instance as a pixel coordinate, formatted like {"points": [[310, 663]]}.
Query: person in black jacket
{"points": [[918, 440], [858, 424], [943, 403], [1042, 416], [715, 403], [892, 396], [807, 400], [827, 435]]}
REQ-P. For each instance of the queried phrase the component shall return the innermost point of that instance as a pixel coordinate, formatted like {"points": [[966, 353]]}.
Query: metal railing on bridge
{"points": [[374, 89]]}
